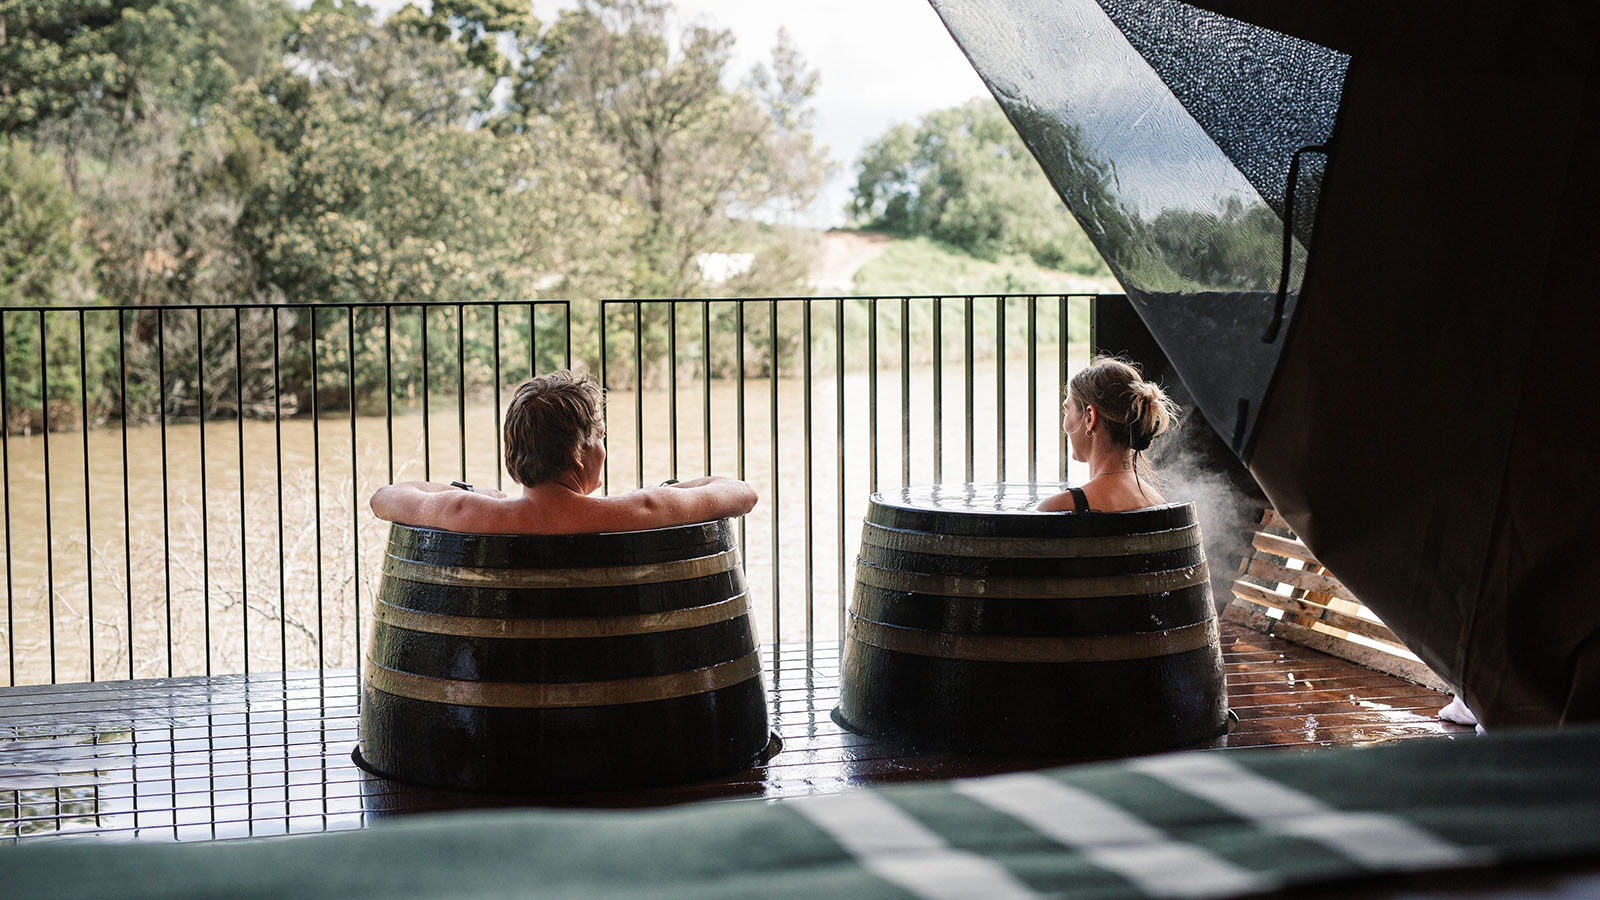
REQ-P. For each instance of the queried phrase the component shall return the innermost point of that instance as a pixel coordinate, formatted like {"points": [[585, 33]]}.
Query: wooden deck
{"points": [[235, 756]]}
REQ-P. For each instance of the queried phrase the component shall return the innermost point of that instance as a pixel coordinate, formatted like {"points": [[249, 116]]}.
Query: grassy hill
{"points": [[924, 266]]}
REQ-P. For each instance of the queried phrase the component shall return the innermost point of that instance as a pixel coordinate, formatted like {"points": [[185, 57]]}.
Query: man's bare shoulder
{"points": [[560, 511]]}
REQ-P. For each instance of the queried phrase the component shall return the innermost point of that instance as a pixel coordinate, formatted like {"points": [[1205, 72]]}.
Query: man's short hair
{"points": [[550, 416]]}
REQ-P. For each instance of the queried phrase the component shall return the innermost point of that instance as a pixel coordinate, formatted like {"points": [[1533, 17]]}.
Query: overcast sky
{"points": [[881, 62]]}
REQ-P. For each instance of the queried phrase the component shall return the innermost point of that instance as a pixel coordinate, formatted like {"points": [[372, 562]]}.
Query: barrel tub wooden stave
{"points": [[570, 663], [998, 629]]}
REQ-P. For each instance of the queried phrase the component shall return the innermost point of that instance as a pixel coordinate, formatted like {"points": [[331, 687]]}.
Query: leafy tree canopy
{"points": [[41, 258], [702, 161], [117, 60]]}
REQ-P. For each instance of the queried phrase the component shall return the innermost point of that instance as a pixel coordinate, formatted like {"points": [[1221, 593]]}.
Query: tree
{"points": [[87, 69], [703, 162], [962, 175], [476, 28], [43, 261], [373, 186]]}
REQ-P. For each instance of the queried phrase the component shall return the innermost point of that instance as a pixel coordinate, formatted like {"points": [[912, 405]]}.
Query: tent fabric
{"points": [[1428, 440], [1425, 422], [1196, 824], [1259, 94], [1169, 131]]}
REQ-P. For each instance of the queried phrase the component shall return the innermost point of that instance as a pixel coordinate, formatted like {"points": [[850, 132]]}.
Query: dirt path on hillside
{"points": [[841, 254]]}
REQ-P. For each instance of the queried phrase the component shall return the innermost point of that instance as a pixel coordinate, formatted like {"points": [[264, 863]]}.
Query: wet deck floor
{"points": [[236, 756]]}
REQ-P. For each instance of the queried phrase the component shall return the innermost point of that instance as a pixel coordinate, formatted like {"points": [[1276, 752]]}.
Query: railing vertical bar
{"points": [[777, 603], [1033, 388], [5, 492], [427, 441], [238, 418], [316, 464], [605, 385], [1061, 353], [967, 365], [705, 387], [810, 594], [566, 325], [533, 338], [49, 536], [461, 386], [355, 475], [498, 468], [905, 392], [388, 385], [88, 518], [166, 517], [127, 518], [638, 390], [205, 514], [838, 379], [739, 404], [1000, 389], [938, 390], [872, 395], [277, 449], [672, 387]]}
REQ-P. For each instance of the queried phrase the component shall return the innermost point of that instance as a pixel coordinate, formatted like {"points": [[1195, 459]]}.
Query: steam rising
{"points": [[1194, 464]]}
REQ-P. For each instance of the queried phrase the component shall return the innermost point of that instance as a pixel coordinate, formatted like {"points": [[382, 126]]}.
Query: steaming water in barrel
{"points": [[980, 624], [562, 663]]}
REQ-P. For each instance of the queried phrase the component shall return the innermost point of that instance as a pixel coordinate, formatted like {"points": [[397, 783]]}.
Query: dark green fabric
{"points": [[1529, 797]]}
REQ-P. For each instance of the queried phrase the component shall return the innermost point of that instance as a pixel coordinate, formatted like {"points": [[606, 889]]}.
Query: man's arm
{"points": [[429, 505], [699, 500]]}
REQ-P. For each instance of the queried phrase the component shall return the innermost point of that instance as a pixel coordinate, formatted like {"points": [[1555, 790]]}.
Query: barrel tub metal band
{"points": [[646, 573], [1010, 648], [526, 695], [875, 535], [978, 624], [940, 585], [576, 626], [563, 663]]}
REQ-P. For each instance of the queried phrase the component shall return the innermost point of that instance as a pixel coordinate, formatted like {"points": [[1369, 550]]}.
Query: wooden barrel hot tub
{"points": [[561, 663], [979, 624]]}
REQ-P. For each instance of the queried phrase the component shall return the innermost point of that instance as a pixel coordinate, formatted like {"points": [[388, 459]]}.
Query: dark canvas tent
{"points": [[1362, 232]]}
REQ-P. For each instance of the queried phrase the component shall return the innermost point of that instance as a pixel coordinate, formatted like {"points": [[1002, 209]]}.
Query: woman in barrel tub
{"points": [[554, 450], [1110, 416]]}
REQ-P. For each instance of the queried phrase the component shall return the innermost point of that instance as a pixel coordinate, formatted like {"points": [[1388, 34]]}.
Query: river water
{"points": [[247, 577]]}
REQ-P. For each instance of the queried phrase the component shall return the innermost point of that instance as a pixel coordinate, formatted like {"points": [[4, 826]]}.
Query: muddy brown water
{"points": [[98, 589]]}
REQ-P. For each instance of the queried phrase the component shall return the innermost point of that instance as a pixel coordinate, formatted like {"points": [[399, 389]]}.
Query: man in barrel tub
{"points": [[554, 437]]}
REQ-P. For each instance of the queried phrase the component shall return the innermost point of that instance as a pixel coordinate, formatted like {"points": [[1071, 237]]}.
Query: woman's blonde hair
{"points": [[1135, 411], [549, 417]]}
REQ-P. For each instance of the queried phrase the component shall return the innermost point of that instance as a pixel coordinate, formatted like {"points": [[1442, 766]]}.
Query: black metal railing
{"points": [[184, 487]]}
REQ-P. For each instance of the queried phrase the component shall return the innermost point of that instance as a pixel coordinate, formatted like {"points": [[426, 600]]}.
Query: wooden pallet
{"points": [[1310, 606]]}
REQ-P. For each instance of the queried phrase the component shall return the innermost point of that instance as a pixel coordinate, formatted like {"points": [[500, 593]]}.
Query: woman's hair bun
{"points": [[1150, 413], [1139, 410]]}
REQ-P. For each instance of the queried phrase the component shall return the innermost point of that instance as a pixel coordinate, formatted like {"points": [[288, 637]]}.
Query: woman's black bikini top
{"points": [[1080, 503]]}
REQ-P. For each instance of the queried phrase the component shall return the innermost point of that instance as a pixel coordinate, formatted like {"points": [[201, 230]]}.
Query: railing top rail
{"points": [[553, 301], [955, 296], [365, 304]]}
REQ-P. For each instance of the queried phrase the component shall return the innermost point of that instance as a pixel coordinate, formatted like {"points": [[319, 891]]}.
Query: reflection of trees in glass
{"points": [[1235, 247], [1238, 247]]}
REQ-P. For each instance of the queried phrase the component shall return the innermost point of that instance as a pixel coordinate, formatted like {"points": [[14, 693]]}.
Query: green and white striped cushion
{"points": [[1198, 824]]}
